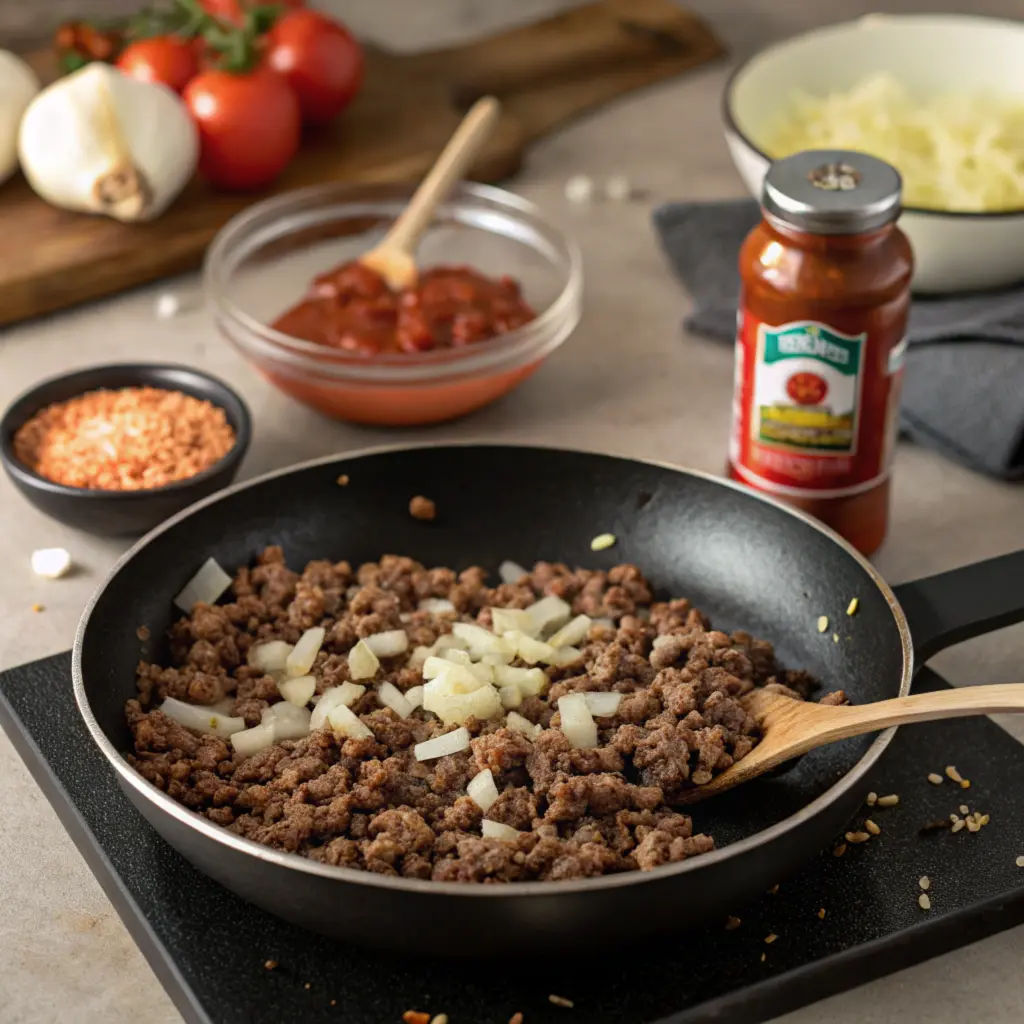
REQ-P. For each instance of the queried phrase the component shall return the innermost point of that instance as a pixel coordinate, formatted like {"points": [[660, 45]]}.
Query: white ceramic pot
{"points": [[930, 54]]}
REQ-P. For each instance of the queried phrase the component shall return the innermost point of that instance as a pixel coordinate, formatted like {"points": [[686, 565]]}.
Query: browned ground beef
{"points": [[370, 804]]}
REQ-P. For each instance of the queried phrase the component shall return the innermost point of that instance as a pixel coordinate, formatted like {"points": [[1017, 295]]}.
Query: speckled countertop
{"points": [[627, 381]]}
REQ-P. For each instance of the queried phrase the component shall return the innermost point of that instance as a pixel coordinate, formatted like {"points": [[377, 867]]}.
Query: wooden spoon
{"points": [[792, 727], [393, 258]]}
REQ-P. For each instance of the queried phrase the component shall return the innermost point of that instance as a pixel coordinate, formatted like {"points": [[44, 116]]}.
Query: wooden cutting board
{"points": [[544, 73]]}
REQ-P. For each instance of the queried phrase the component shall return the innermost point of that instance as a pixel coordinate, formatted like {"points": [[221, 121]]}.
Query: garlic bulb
{"points": [[18, 84], [101, 142]]}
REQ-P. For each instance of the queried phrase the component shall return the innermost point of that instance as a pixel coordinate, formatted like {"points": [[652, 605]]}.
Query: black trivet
{"points": [[209, 948]]}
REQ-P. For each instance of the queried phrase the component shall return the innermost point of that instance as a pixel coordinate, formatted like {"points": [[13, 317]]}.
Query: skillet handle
{"points": [[954, 606]]}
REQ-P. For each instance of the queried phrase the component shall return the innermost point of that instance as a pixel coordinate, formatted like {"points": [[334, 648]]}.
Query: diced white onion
{"points": [[441, 746], [436, 606], [505, 620], [202, 719], [485, 673], [224, 706], [455, 656], [572, 632], [447, 641], [51, 563], [270, 657], [419, 656], [287, 721], [529, 649], [511, 696], [531, 681], [362, 662], [252, 741], [495, 830], [405, 617], [504, 658], [345, 722], [548, 614], [304, 653], [604, 623], [603, 705], [206, 586], [389, 643], [414, 695], [479, 640], [391, 696], [457, 708], [511, 572], [451, 678], [519, 723], [334, 696], [482, 790], [578, 723], [297, 691], [563, 657]]}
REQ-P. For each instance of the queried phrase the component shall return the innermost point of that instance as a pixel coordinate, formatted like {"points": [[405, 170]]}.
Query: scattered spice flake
{"points": [[415, 1017], [38, 608], [423, 509], [965, 783], [839, 850], [851, 608], [934, 778], [270, 965], [888, 801], [769, 939], [774, 889], [561, 1001], [952, 773], [872, 827], [957, 825], [602, 542], [872, 799], [732, 923], [342, 480], [964, 809], [924, 881], [764, 956], [1020, 862], [857, 837], [821, 913], [143, 633], [516, 1018], [924, 902], [822, 623]]}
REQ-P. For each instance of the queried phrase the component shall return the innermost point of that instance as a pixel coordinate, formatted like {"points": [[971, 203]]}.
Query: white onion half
{"points": [[392, 697], [334, 696], [496, 830], [441, 746], [270, 657], [345, 722], [511, 572], [482, 790], [304, 653], [578, 723], [388, 644], [209, 582], [362, 662], [202, 719], [297, 691], [603, 705]]}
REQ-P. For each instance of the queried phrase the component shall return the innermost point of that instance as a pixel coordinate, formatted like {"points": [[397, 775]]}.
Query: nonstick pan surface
{"points": [[749, 563]]}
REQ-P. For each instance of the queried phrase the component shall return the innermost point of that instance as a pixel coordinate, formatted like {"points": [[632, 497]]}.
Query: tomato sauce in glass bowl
{"points": [[500, 290]]}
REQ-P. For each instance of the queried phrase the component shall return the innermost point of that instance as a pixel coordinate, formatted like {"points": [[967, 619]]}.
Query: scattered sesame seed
{"points": [[872, 827], [952, 773], [561, 1001], [769, 939], [924, 902], [821, 913], [270, 964], [822, 623], [964, 809], [872, 799], [839, 850], [851, 608], [38, 608], [935, 779], [732, 923], [888, 801], [764, 956], [957, 825], [857, 837], [924, 881], [602, 541], [342, 480], [774, 889], [1019, 862], [965, 783]]}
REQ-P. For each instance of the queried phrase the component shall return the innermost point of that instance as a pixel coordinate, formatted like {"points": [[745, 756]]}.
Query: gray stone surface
{"points": [[626, 382]]}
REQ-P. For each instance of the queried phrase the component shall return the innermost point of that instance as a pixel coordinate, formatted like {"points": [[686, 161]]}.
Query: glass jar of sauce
{"points": [[821, 340]]}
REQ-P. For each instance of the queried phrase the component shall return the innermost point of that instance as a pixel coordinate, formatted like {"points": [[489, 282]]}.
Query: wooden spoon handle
{"points": [[463, 146], [839, 723]]}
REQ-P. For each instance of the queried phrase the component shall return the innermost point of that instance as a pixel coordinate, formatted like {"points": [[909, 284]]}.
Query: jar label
{"points": [[814, 408]]}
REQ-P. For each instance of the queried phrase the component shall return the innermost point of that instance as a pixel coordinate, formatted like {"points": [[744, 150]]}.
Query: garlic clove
{"points": [[99, 141]]}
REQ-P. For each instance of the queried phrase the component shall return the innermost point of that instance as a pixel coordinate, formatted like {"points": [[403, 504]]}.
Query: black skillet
{"points": [[746, 561]]}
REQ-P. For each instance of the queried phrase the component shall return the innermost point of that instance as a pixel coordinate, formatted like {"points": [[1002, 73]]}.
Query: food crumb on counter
{"points": [[38, 608], [342, 480], [958, 825], [872, 828], [770, 938], [334, 1002], [579, 188], [416, 1017], [821, 913], [307, 986], [51, 563], [964, 809], [602, 542], [872, 799], [561, 1001], [732, 923], [764, 956], [270, 965], [619, 188], [167, 306], [953, 774], [924, 881], [839, 850], [857, 837], [441, 1018], [924, 901], [888, 801], [516, 1018], [143, 633], [822, 623], [965, 783], [774, 889], [851, 608], [1020, 861], [422, 508], [935, 778]]}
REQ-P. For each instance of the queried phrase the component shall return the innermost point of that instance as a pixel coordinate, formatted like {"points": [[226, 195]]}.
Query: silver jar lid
{"points": [[832, 192]]}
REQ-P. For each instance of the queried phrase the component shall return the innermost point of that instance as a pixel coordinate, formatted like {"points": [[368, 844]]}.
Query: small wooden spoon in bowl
{"points": [[393, 257], [793, 727]]}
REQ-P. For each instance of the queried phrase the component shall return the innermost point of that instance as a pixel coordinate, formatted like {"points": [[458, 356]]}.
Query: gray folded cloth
{"points": [[963, 390]]}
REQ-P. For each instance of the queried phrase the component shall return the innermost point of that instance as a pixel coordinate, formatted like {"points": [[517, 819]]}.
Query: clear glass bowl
{"points": [[262, 261]]}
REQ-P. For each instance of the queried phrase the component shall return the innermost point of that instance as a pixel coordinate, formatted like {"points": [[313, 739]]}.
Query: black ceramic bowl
{"points": [[122, 513]]}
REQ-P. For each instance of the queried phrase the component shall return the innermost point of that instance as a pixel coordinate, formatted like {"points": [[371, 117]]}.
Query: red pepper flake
{"points": [[415, 1017]]}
